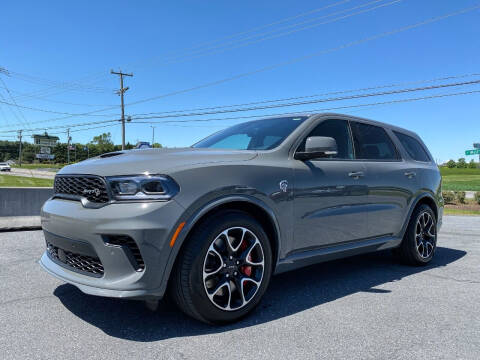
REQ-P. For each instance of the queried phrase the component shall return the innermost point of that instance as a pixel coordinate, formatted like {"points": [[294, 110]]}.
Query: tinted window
{"points": [[337, 129], [372, 142], [413, 147], [254, 135]]}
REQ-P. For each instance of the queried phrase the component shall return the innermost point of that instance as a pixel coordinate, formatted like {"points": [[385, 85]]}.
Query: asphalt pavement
{"points": [[366, 307]]}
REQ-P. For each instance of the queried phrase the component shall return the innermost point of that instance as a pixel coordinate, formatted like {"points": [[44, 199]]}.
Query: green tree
{"points": [[451, 164], [472, 164], [157, 145], [461, 163], [101, 144]]}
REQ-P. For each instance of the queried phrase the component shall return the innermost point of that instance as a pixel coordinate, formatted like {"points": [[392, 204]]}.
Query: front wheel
{"points": [[420, 240], [224, 268]]}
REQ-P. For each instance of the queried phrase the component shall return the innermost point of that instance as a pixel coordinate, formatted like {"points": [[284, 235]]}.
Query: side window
{"points": [[337, 129], [413, 147], [372, 142]]}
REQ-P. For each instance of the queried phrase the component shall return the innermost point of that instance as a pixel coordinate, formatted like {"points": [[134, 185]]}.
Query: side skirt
{"points": [[310, 257]]}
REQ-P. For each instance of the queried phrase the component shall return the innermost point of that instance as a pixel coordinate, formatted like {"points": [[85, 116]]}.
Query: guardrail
{"points": [[23, 201]]}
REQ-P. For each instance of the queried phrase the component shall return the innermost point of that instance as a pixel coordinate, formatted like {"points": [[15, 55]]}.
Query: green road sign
{"points": [[472, 152]]}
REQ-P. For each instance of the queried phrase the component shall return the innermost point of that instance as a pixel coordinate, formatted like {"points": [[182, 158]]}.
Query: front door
{"points": [[330, 194]]}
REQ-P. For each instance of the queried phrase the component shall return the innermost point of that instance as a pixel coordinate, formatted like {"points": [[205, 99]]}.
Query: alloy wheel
{"points": [[425, 235], [233, 268]]}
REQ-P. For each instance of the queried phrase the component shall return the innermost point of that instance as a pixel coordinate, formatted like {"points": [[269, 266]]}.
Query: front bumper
{"points": [[70, 226]]}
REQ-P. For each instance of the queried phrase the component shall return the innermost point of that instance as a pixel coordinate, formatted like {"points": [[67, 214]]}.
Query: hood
{"points": [[154, 161]]}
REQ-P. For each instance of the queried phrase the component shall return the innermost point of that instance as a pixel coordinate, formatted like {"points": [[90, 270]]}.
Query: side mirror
{"points": [[318, 147]]}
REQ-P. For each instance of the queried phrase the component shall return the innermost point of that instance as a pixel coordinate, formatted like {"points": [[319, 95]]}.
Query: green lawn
{"points": [[460, 179], [23, 181], [39, 166], [448, 211]]}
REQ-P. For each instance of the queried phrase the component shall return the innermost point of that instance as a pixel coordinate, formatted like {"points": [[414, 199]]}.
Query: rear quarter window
{"points": [[372, 143], [413, 147]]}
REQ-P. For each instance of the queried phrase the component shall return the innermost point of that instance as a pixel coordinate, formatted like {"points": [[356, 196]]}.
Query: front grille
{"points": [[91, 187], [82, 263], [130, 247]]}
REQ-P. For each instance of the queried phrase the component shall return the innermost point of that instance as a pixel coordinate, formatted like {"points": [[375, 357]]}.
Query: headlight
{"points": [[142, 187]]}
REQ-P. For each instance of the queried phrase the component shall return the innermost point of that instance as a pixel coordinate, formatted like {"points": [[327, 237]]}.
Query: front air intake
{"points": [[130, 247]]}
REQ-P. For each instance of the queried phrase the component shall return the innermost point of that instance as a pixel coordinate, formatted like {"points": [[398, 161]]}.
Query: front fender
{"points": [[191, 218]]}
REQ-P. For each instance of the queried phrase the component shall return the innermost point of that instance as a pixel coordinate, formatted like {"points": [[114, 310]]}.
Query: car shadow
{"points": [[288, 294]]}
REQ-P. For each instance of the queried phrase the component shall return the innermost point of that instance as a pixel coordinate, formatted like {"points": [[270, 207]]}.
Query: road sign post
{"points": [[472, 152]]}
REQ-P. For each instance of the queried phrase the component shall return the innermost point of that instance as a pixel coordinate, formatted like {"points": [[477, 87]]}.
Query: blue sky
{"points": [[79, 42]]}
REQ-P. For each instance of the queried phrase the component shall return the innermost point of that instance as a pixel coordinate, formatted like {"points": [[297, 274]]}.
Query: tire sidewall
{"points": [[411, 235], [208, 232]]}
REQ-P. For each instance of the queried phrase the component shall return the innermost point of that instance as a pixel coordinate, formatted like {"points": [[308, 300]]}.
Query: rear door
{"points": [[330, 193], [391, 181]]}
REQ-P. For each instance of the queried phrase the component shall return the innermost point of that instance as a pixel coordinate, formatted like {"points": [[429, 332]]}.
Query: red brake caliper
{"points": [[246, 269]]}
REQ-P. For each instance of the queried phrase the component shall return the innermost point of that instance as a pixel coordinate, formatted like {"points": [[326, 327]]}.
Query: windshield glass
{"points": [[263, 134]]}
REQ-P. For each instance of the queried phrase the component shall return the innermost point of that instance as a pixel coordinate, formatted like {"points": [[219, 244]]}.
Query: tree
{"points": [[461, 163], [157, 145], [472, 164], [101, 144], [451, 164], [103, 139]]}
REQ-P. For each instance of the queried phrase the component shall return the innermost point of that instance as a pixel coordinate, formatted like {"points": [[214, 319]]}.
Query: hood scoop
{"points": [[107, 155]]}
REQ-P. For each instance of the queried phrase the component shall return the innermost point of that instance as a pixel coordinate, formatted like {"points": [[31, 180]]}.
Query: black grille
{"points": [[83, 263], [91, 187], [130, 247]]}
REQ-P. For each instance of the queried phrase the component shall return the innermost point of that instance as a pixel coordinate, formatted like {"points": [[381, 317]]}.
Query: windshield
{"points": [[263, 134]]}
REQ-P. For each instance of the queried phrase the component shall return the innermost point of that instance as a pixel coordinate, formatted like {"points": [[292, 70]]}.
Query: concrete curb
{"points": [[15, 223]]}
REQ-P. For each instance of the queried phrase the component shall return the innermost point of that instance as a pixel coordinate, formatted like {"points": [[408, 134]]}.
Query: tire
{"points": [[207, 263], [420, 240]]}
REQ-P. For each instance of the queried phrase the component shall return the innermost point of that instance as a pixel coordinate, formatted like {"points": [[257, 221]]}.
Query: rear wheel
{"points": [[223, 269], [420, 240]]}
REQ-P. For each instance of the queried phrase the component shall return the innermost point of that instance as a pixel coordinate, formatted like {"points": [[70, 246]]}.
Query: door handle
{"points": [[356, 174], [410, 174]]}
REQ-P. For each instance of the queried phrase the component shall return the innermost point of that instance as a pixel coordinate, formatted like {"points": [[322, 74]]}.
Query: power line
{"points": [[337, 92], [101, 74], [271, 34], [286, 62], [53, 83], [383, 93], [48, 111], [57, 101], [311, 55], [23, 119], [335, 99], [313, 110]]}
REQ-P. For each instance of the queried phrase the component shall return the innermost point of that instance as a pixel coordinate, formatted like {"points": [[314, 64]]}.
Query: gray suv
{"points": [[210, 224]]}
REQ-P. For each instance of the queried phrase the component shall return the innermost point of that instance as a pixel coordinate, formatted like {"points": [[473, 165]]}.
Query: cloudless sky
{"points": [[79, 42]]}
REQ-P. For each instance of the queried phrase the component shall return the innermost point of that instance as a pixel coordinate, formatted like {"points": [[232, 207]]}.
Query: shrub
{"points": [[477, 197], [472, 164], [460, 196], [461, 163], [451, 164], [448, 196]]}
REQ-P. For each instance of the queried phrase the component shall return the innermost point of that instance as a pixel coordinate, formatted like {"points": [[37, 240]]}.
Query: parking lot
{"points": [[364, 307]]}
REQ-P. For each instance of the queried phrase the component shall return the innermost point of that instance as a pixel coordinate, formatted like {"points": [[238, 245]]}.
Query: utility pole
{"points": [[20, 147], [121, 92], [153, 134], [68, 145]]}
